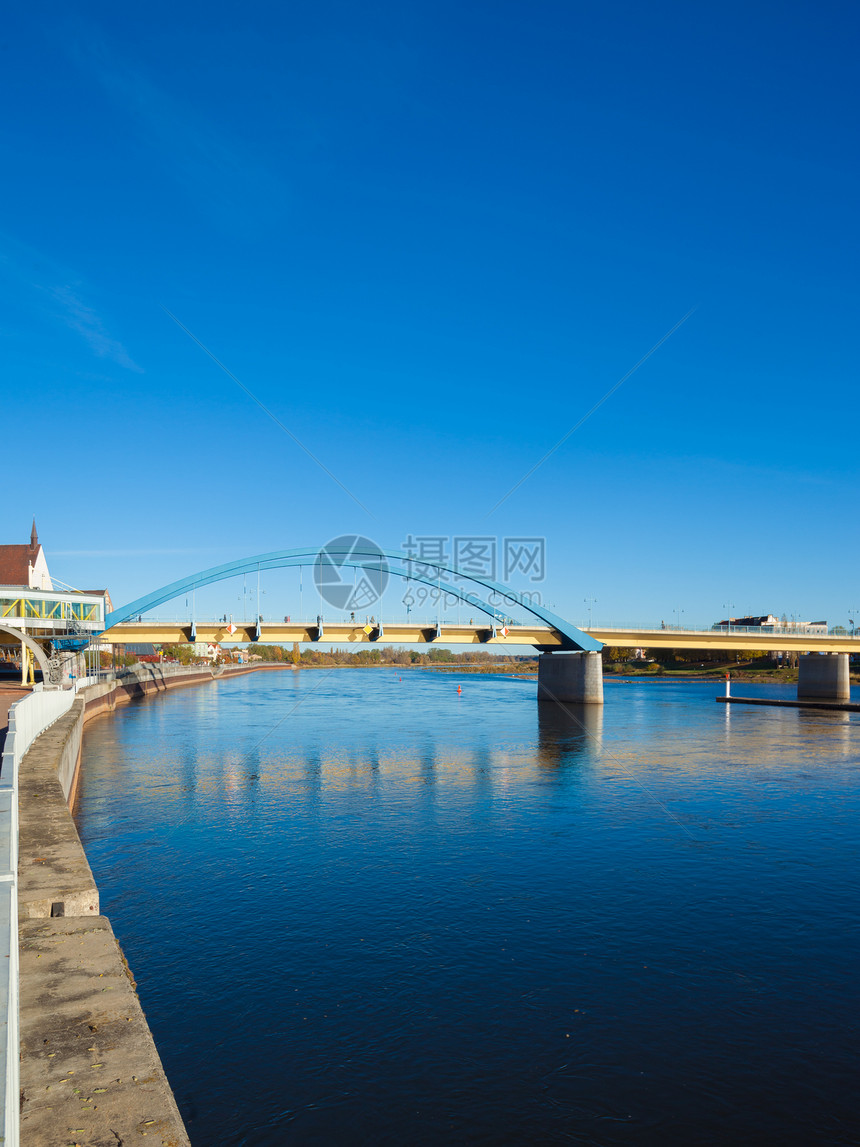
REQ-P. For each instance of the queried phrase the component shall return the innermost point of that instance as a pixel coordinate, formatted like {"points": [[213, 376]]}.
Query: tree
{"points": [[184, 654], [613, 653]]}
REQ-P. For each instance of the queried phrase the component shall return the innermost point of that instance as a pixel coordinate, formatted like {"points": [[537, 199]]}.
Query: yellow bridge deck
{"points": [[420, 633]]}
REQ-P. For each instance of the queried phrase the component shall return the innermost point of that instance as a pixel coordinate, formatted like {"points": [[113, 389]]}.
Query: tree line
{"points": [[386, 655]]}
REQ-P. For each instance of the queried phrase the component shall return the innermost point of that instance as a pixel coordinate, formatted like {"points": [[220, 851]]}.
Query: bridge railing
{"points": [[758, 630], [477, 619]]}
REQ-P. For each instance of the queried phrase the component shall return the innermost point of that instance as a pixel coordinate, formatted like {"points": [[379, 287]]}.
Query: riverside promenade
{"points": [[90, 1073]]}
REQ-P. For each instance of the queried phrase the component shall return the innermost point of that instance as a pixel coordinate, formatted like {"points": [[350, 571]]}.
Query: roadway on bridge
{"points": [[725, 638], [425, 632]]}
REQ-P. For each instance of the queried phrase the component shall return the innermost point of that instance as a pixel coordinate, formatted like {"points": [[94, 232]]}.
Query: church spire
{"points": [[34, 537]]}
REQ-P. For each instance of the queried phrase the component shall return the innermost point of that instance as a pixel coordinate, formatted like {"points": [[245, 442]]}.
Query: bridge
{"points": [[544, 638], [569, 666]]}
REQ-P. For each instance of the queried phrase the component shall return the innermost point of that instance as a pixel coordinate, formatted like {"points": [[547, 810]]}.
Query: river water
{"points": [[364, 909]]}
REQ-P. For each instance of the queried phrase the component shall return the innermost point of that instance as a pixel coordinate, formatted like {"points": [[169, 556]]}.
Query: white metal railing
{"points": [[446, 618], [85, 682], [759, 630], [27, 719]]}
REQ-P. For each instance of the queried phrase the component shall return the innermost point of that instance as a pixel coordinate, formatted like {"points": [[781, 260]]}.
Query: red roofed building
{"points": [[25, 565]]}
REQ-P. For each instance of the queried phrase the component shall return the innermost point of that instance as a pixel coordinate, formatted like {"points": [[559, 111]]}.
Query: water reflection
{"points": [[313, 775], [833, 731], [763, 734], [427, 764], [567, 732]]}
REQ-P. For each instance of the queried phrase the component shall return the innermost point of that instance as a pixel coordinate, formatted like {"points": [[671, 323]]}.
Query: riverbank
{"points": [[717, 676], [528, 671], [90, 1071]]}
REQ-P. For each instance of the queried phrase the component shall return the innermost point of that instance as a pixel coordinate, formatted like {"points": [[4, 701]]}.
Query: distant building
{"points": [[25, 566], [806, 626], [29, 600], [207, 650], [770, 624], [760, 621], [61, 620]]}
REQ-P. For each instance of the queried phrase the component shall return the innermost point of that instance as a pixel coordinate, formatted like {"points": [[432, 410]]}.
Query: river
{"points": [[364, 909]]}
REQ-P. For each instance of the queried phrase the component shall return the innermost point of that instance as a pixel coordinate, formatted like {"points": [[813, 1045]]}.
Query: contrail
{"points": [[596, 406]]}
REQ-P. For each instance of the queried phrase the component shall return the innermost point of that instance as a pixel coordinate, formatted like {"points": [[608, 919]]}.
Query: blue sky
{"points": [[429, 238]]}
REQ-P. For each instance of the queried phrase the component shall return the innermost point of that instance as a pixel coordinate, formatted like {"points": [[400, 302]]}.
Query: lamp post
{"points": [[590, 602], [852, 620], [728, 607], [678, 613]]}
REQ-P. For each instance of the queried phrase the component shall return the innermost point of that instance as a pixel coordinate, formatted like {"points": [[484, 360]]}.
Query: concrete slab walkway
{"points": [[90, 1073]]}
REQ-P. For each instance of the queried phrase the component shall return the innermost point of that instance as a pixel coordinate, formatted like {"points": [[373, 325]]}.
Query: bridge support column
{"points": [[823, 677], [574, 677]]}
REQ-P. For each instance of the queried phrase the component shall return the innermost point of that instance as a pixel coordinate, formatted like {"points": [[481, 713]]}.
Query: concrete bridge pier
{"points": [[823, 677], [576, 677]]}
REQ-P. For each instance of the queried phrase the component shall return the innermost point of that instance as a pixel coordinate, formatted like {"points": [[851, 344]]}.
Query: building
{"points": [[770, 624], [30, 602], [43, 625], [207, 650], [25, 566], [760, 621], [804, 627]]}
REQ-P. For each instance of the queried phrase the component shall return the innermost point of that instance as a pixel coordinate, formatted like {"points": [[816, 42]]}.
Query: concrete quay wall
{"points": [[90, 1071], [144, 680], [54, 877]]}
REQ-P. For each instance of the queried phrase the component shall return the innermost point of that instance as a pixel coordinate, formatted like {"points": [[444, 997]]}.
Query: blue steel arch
{"points": [[303, 557], [400, 571], [278, 559], [469, 598]]}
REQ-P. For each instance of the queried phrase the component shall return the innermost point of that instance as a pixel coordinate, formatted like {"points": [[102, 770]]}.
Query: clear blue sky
{"points": [[429, 237]]}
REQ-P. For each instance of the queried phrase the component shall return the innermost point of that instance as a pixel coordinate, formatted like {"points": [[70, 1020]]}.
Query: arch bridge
{"points": [[536, 625], [576, 675]]}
